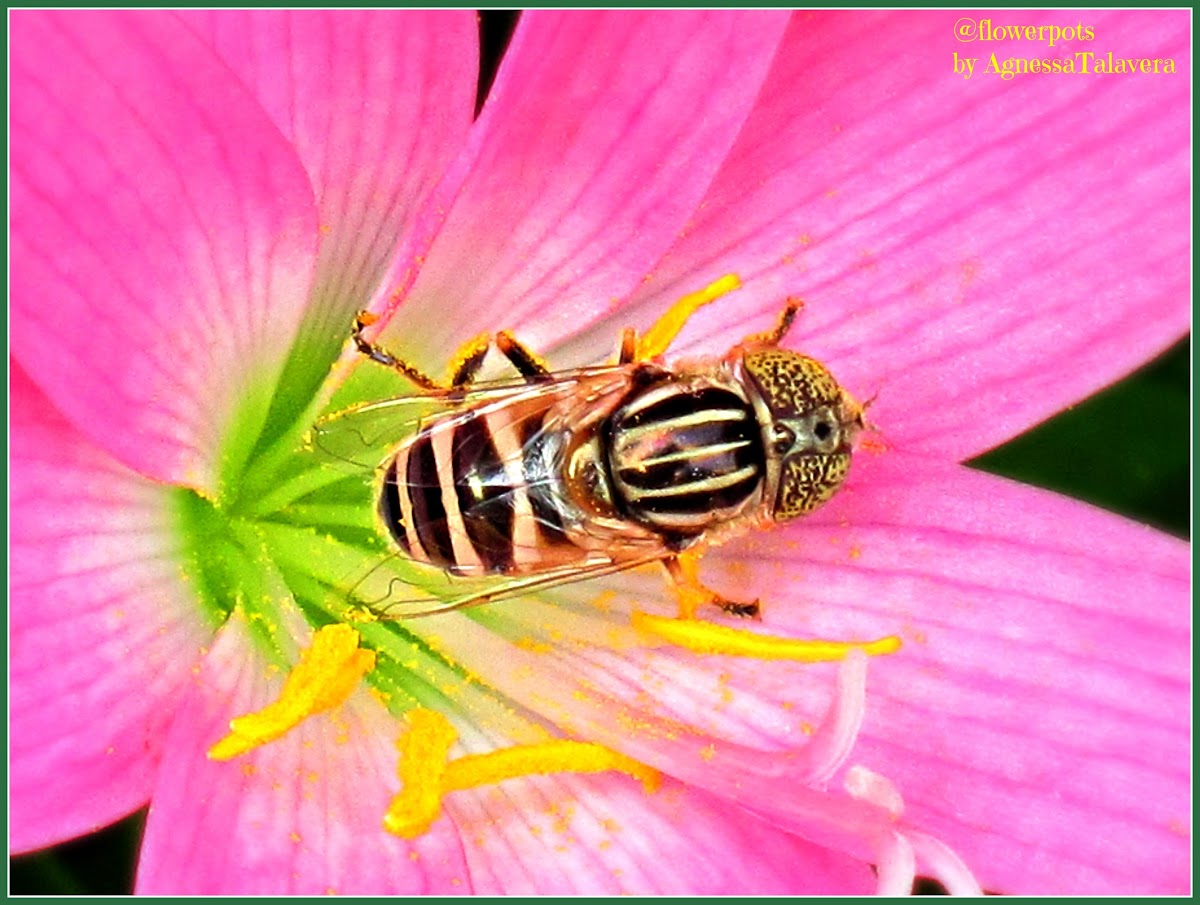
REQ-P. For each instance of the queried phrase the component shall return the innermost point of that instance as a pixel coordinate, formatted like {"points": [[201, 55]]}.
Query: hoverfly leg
{"points": [[379, 355], [464, 365], [775, 335], [528, 363], [749, 610], [692, 594], [467, 361], [628, 348]]}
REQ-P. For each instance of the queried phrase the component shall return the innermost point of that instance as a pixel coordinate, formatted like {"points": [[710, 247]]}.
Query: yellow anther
{"points": [[325, 676], [427, 776], [656, 340], [424, 749], [707, 638]]}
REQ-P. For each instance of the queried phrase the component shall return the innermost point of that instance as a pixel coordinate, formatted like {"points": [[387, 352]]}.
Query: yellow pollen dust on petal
{"points": [[427, 774], [708, 638], [327, 673], [656, 340]]}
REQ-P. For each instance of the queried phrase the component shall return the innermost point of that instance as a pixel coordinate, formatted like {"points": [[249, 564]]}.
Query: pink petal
{"points": [[1036, 719], [980, 253], [790, 721], [571, 696], [374, 139], [103, 634], [601, 134], [163, 237], [604, 835], [301, 815]]}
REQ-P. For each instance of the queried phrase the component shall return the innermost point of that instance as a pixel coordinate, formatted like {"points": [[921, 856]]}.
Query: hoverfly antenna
{"points": [[870, 401]]}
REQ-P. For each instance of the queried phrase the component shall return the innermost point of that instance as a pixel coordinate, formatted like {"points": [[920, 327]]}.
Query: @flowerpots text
{"points": [[1011, 50]]}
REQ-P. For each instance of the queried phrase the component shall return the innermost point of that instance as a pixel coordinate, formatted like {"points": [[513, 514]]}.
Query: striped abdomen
{"points": [[684, 458], [472, 493]]}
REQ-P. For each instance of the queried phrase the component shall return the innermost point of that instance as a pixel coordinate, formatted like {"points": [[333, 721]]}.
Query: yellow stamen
{"points": [[560, 756], [427, 775], [707, 638], [323, 679], [666, 328], [424, 749]]}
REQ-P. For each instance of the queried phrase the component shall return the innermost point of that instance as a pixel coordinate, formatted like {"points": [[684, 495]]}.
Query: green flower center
{"points": [[291, 532]]}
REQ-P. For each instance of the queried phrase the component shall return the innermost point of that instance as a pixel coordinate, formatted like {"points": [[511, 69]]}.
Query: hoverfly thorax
{"points": [[686, 453], [812, 426]]}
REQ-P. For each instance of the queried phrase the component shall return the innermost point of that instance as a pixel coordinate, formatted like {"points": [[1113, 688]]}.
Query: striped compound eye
{"points": [[808, 481], [814, 426], [793, 385]]}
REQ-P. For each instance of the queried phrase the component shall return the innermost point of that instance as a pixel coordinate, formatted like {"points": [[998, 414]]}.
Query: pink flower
{"points": [[201, 202]]}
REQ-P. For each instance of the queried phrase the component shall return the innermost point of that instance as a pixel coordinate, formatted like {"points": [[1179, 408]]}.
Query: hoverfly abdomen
{"points": [[453, 495], [483, 494], [685, 457], [391, 510]]}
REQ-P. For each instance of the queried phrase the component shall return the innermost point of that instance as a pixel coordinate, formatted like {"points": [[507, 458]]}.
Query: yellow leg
{"points": [[464, 364], [467, 360], [530, 365], [628, 349], [684, 572], [666, 328], [773, 336]]}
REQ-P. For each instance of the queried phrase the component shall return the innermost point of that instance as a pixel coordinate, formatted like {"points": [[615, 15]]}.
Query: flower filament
{"points": [[656, 340], [704, 637]]}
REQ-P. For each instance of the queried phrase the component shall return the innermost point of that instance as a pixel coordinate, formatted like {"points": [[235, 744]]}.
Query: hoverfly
{"points": [[559, 476]]}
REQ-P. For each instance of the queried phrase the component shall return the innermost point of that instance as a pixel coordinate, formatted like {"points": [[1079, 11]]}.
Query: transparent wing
{"points": [[392, 598], [361, 436]]}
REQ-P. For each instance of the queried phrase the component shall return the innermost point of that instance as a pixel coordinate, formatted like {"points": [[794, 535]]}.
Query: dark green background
{"points": [[1127, 449]]}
